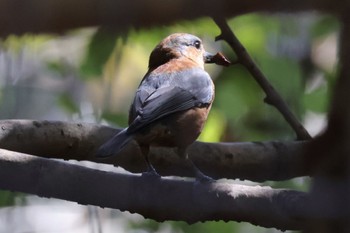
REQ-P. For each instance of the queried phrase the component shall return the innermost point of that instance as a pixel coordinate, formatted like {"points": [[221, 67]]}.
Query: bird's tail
{"points": [[114, 145]]}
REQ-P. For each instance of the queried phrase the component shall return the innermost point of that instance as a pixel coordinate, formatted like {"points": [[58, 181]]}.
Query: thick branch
{"points": [[18, 17], [159, 199], [258, 161], [332, 148], [330, 157], [272, 96]]}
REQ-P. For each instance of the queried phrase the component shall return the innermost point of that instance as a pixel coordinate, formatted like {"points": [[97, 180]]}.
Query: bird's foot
{"points": [[151, 173], [200, 177]]}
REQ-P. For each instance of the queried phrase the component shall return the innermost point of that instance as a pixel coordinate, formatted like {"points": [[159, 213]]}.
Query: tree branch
{"points": [[330, 159], [272, 96], [159, 199], [42, 16], [258, 161]]}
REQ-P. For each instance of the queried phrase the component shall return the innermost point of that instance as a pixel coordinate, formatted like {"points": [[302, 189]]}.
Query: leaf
{"points": [[317, 101], [99, 50], [325, 26], [117, 119], [214, 128], [67, 103], [58, 67], [7, 198]]}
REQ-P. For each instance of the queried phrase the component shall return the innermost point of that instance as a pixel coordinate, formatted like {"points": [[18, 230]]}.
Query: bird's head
{"points": [[183, 45]]}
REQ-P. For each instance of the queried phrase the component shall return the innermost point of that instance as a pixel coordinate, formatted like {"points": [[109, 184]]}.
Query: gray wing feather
{"points": [[179, 92]]}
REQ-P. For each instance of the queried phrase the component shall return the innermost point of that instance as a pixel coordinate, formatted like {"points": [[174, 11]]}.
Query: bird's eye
{"points": [[197, 44]]}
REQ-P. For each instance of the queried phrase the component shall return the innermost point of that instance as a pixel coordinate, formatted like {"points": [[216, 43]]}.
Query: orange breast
{"points": [[176, 65], [177, 130]]}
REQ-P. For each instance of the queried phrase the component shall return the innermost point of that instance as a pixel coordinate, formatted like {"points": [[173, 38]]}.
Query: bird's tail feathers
{"points": [[114, 145]]}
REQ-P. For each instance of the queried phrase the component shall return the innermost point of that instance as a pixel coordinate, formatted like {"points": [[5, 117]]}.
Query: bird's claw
{"points": [[200, 177], [151, 173]]}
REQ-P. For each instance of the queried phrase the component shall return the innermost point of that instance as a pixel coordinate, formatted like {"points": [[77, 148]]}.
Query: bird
{"points": [[172, 102]]}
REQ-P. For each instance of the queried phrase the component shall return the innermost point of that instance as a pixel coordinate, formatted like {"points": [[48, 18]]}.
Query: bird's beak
{"points": [[208, 57], [218, 59]]}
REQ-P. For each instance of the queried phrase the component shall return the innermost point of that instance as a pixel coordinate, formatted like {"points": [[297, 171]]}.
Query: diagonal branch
{"points": [[258, 161], [159, 199], [272, 96]]}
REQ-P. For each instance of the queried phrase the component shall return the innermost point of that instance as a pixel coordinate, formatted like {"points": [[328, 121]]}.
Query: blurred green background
{"points": [[90, 75]]}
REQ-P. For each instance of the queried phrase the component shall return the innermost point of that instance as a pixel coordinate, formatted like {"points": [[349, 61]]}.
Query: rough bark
{"points": [[43, 16], [157, 198], [257, 161], [329, 155]]}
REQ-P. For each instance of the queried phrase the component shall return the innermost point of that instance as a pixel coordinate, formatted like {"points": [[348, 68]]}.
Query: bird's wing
{"points": [[171, 97], [158, 105]]}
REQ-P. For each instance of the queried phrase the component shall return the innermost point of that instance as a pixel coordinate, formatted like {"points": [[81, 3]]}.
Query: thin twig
{"points": [[272, 96]]}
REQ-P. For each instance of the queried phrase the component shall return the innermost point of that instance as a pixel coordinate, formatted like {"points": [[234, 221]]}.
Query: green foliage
{"points": [[17, 43], [324, 26], [239, 100], [7, 198], [212, 226], [58, 67], [99, 50], [113, 65], [116, 119], [67, 103], [214, 128], [317, 100]]}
